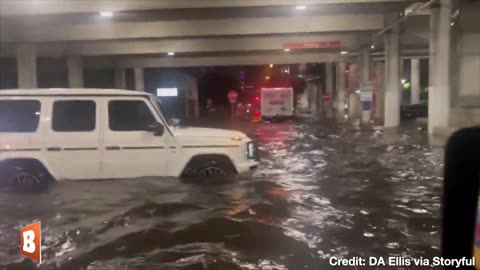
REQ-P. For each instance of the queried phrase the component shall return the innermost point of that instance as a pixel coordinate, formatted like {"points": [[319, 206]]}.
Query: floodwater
{"points": [[321, 190]]}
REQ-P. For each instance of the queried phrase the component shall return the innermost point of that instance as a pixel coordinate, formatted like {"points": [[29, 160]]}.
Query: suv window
{"points": [[74, 115], [19, 115], [129, 115]]}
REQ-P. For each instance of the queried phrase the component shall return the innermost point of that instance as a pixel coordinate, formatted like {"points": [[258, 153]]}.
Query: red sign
{"points": [[312, 44], [232, 96], [30, 242], [326, 97]]}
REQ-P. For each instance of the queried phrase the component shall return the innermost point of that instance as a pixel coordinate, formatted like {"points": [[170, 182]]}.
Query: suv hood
{"points": [[206, 132]]}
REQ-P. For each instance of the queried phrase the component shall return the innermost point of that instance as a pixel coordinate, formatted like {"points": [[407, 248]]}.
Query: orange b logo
{"points": [[30, 241]]}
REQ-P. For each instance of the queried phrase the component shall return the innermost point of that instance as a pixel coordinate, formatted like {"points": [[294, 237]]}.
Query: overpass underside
{"points": [[362, 43]]}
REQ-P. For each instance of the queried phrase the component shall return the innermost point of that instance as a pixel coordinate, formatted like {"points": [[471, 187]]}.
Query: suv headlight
{"points": [[251, 150]]}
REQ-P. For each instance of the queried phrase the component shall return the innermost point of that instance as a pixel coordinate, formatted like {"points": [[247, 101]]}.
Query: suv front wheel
{"points": [[209, 166]]}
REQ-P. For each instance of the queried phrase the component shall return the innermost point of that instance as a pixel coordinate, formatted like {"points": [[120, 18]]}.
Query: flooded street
{"points": [[321, 190]]}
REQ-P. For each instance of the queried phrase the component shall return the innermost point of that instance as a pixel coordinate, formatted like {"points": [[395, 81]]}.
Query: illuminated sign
{"points": [[167, 92]]}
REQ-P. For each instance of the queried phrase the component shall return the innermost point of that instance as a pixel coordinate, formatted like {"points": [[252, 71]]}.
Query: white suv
{"points": [[48, 134]]}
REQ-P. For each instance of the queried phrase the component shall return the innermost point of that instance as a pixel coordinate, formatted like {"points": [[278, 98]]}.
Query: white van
{"points": [[276, 102], [58, 134]]}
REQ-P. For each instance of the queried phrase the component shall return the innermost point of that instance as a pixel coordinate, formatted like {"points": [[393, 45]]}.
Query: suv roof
{"points": [[71, 91]]}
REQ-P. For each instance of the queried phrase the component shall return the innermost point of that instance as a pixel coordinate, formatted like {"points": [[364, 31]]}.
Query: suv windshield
{"points": [[157, 102]]}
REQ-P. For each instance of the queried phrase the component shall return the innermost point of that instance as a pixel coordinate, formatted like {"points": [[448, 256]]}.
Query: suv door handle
{"points": [[112, 147], [54, 149]]}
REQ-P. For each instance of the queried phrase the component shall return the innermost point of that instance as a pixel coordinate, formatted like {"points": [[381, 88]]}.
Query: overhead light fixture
{"points": [[171, 53], [267, 78], [300, 7], [106, 14], [343, 52], [372, 47], [286, 50]]}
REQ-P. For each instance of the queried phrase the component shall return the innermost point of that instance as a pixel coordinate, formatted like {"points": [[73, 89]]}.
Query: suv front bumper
{"points": [[247, 166]]}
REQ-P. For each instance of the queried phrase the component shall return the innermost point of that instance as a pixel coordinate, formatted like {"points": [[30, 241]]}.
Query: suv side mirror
{"points": [[176, 121], [156, 128]]}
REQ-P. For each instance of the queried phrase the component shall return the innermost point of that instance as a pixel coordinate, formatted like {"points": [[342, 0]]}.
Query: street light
{"points": [[271, 65], [171, 53], [343, 52], [301, 7], [286, 50]]}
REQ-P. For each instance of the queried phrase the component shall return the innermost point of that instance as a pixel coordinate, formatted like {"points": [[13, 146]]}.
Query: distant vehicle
{"points": [[414, 110], [276, 102], [248, 107], [57, 134], [248, 111]]}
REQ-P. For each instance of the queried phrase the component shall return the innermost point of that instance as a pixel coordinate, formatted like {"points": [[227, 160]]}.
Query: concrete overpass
{"points": [[126, 34]]}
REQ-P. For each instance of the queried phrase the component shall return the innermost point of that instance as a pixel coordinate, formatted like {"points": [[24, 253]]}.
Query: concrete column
{"points": [[313, 96], [380, 86], [364, 65], [119, 78], [341, 87], [26, 66], [75, 71], [319, 94], [304, 100], [354, 103], [309, 97], [139, 79], [392, 78], [329, 89], [365, 82], [415, 81], [440, 60], [466, 86]]}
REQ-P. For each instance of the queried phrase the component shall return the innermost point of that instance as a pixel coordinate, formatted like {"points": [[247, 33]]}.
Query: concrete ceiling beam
{"points": [[239, 60], [38, 7], [180, 45], [235, 60], [194, 28]]}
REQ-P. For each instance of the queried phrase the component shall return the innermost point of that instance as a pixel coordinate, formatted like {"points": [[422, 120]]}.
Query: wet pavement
{"points": [[321, 190]]}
